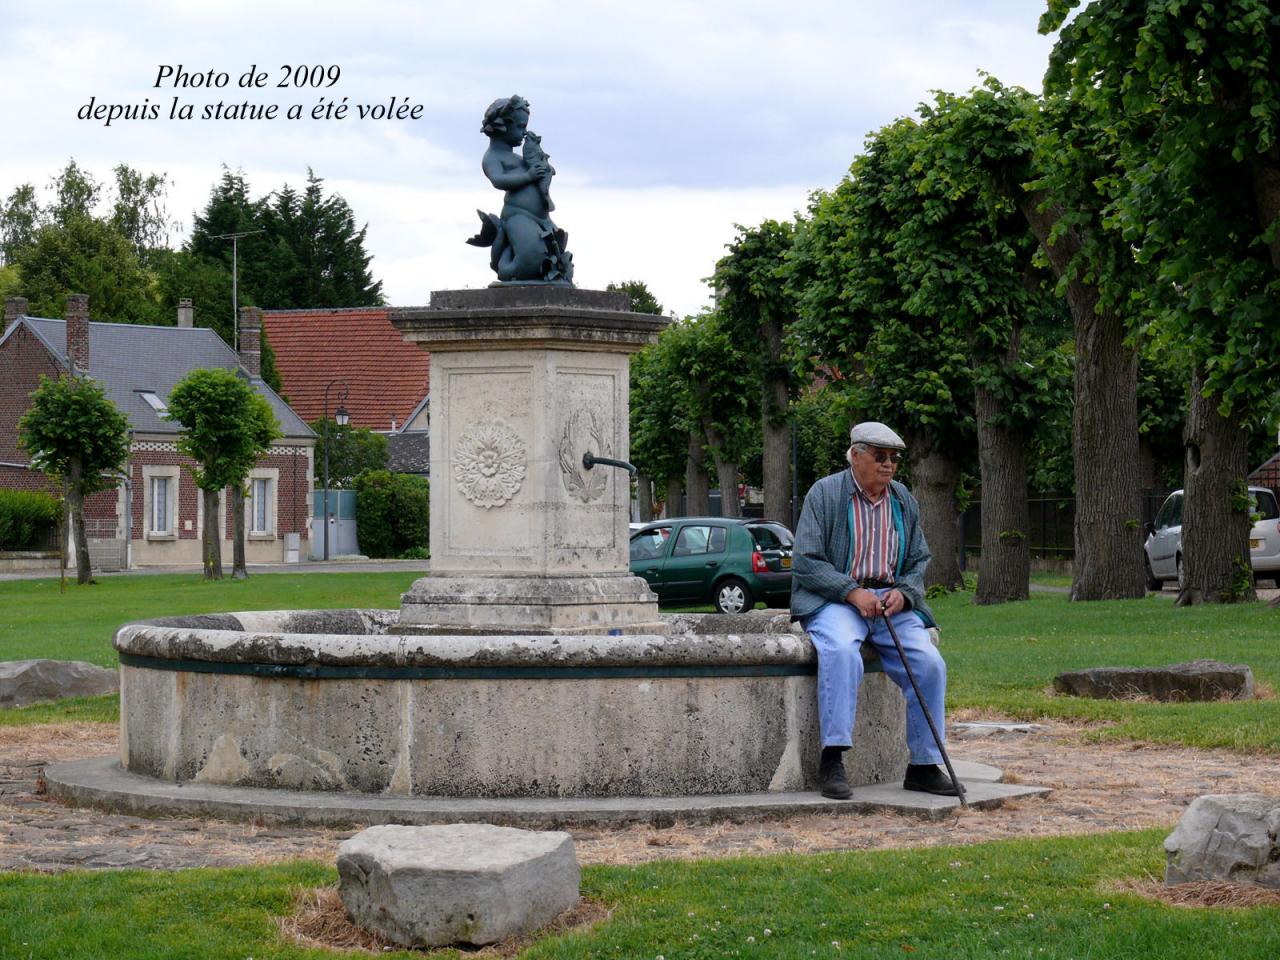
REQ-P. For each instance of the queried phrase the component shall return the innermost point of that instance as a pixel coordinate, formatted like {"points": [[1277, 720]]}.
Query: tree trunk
{"points": [[726, 471], [1264, 169], [675, 490], [644, 497], [697, 490], [75, 506], [775, 430], [1215, 517], [934, 478], [212, 546], [238, 569], [1104, 428], [1004, 570]]}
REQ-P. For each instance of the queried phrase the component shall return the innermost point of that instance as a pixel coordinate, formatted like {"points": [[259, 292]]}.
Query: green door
{"points": [[695, 561], [648, 551]]}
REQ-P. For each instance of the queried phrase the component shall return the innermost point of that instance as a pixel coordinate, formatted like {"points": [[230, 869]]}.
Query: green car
{"points": [[731, 561]]}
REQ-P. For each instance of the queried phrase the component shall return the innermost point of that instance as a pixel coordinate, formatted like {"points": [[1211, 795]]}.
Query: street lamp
{"points": [[340, 417]]}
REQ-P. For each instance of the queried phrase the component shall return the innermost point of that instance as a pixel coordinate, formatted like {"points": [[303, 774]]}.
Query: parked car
{"points": [[732, 562], [1164, 540]]}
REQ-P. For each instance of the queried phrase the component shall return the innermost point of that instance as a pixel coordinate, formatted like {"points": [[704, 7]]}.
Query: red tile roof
{"points": [[387, 376]]}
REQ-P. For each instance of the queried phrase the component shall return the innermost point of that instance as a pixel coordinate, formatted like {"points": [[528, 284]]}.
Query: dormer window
{"points": [[153, 401]]}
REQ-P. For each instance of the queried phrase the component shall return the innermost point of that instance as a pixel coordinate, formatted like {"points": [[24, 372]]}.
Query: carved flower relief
{"points": [[489, 463], [583, 433]]}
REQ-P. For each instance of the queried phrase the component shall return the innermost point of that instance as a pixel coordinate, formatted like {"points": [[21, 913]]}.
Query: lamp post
{"points": [[341, 418]]}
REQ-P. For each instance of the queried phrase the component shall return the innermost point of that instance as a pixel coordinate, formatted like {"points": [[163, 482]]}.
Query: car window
{"points": [[1265, 505], [650, 544], [693, 540], [1171, 513], [771, 537]]}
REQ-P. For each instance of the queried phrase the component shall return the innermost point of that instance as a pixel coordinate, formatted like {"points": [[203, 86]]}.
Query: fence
{"points": [[1052, 521]]}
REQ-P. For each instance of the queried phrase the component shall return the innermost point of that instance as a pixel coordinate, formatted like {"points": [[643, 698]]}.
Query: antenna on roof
{"points": [[235, 274]]}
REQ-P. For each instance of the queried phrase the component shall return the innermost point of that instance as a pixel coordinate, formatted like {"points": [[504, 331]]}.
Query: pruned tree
{"points": [[226, 427], [756, 304], [76, 435], [1188, 99]]}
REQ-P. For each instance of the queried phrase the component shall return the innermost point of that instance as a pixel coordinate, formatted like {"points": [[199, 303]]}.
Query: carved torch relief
{"points": [[584, 433], [489, 463]]}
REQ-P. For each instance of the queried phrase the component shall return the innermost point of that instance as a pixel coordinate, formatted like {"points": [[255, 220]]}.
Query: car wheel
{"points": [[733, 596], [1153, 582], [1182, 575]]}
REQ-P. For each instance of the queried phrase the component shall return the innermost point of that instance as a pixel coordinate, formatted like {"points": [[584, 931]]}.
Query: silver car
{"points": [[1164, 540]]}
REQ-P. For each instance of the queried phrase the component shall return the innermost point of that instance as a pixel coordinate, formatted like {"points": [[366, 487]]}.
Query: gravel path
{"points": [[1097, 787]]}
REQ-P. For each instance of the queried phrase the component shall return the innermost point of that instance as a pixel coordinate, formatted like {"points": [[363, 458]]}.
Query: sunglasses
{"points": [[885, 456]]}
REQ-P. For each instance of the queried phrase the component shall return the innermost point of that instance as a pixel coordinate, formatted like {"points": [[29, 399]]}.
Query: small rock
{"points": [[1227, 837], [1179, 682], [471, 883], [23, 682]]}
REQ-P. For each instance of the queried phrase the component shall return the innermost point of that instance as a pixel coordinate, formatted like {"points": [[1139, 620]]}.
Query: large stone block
{"points": [[24, 682], [1177, 683], [1227, 837], [470, 883]]}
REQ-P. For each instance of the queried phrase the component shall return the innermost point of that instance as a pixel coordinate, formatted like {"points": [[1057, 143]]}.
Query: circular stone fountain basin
{"points": [[334, 700]]}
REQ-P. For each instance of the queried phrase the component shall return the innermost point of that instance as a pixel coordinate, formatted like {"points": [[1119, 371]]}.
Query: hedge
{"points": [[392, 513], [27, 520]]}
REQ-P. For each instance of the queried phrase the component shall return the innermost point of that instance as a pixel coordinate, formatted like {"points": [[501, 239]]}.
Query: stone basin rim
{"points": [[361, 640]]}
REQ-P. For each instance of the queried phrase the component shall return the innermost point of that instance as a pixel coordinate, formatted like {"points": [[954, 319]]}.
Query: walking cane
{"points": [[924, 707]]}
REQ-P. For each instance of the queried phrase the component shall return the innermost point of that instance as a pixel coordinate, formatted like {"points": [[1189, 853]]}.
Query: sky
{"points": [[667, 122]]}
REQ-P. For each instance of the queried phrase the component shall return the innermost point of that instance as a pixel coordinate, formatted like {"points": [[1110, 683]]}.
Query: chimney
{"points": [[14, 307], [186, 313], [78, 332], [251, 340]]}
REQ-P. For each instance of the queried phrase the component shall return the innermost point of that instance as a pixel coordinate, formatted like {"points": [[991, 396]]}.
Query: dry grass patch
{"points": [[319, 921], [1201, 893]]}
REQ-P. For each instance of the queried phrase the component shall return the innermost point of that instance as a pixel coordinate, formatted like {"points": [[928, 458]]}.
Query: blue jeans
{"points": [[837, 631]]}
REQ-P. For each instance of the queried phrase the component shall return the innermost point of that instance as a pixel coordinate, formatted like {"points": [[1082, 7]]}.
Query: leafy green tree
{"points": [[138, 210], [226, 428], [658, 447], [352, 451], [642, 299], [755, 301], [1054, 160], [86, 254], [19, 220], [899, 357], [1189, 97], [75, 434]]}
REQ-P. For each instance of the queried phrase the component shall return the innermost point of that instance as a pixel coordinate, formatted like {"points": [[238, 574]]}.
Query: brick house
{"points": [[387, 378], [1267, 475], [152, 517]]}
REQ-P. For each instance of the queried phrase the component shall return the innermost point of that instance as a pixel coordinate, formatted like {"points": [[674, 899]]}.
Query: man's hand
{"points": [[865, 602], [894, 602]]}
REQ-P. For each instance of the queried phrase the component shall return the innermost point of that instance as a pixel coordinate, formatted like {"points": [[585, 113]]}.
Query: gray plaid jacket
{"points": [[820, 564]]}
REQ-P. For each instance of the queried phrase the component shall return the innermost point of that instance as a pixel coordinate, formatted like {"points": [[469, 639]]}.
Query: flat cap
{"points": [[875, 434]]}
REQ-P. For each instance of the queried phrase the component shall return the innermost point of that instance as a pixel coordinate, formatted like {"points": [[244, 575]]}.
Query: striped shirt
{"points": [[875, 539]]}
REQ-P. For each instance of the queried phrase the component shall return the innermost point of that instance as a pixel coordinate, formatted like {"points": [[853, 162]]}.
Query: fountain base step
{"points": [[101, 782], [516, 604]]}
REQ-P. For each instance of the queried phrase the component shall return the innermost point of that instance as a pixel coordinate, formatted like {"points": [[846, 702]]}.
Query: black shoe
{"points": [[831, 779], [929, 778]]}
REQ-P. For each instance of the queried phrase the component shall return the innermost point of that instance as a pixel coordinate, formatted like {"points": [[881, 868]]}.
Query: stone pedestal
{"points": [[525, 380]]}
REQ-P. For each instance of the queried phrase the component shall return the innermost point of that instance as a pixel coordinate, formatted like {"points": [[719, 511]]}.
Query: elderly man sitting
{"points": [[859, 559]]}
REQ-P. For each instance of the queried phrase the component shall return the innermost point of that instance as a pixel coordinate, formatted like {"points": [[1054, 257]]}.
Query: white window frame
{"points": [[271, 477], [171, 475]]}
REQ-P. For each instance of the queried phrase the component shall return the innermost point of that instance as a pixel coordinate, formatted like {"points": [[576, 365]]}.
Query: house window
{"points": [[161, 519], [153, 401], [261, 506]]}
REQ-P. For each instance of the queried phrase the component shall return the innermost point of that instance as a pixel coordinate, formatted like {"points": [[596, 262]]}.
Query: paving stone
{"points": [[470, 883], [1198, 680], [23, 682]]}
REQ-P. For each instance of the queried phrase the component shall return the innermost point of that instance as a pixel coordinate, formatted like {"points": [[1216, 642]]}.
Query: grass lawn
{"points": [[1043, 898], [1000, 658]]}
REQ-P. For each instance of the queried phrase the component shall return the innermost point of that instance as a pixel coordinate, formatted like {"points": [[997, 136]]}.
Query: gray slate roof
{"points": [[128, 358], [409, 452]]}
